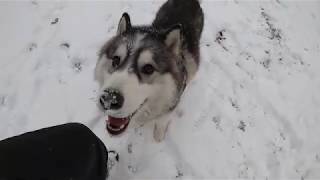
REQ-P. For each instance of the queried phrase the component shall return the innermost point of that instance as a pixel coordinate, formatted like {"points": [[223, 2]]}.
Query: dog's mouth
{"points": [[116, 126]]}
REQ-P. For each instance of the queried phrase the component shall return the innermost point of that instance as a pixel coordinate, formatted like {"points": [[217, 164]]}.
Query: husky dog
{"points": [[143, 70]]}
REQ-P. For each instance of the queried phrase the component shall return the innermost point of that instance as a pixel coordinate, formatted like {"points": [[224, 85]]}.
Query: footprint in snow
{"points": [[32, 46], [179, 173], [217, 120], [65, 45], [77, 66], [55, 21], [242, 126]]}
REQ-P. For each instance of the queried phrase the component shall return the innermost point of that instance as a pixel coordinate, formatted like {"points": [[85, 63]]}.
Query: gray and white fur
{"points": [[146, 68]]}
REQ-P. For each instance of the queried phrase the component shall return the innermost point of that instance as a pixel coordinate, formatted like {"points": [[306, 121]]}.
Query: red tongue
{"points": [[114, 125]]}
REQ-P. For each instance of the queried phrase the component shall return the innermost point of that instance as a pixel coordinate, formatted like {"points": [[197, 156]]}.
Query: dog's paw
{"points": [[159, 133], [161, 127]]}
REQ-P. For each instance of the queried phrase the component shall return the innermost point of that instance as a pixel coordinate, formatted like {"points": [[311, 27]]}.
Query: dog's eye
{"points": [[115, 61], [147, 69]]}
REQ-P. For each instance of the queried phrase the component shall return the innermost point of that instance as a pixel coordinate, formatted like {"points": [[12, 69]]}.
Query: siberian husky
{"points": [[143, 70]]}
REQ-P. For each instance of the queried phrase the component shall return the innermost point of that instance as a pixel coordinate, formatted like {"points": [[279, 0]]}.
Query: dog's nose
{"points": [[111, 99]]}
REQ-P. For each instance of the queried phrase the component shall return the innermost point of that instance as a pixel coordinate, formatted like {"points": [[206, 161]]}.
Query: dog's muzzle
{"points": [[111, 99], [117, 125]]}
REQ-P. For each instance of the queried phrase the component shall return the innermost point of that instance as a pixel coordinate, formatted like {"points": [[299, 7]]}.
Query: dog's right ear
{"points": [[124, 24]]}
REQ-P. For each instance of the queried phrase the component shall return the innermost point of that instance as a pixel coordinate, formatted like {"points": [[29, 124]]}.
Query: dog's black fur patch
{"points": [[189, 14]]}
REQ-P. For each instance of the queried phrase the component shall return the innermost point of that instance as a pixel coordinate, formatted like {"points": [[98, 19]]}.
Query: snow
{"points": [[252, 111]]}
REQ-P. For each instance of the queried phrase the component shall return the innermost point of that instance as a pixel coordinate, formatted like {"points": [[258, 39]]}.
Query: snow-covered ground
{"points": [[253, 110]]}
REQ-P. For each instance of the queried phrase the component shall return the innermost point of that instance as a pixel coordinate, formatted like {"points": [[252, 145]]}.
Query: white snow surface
{"points": [[251, 112]]}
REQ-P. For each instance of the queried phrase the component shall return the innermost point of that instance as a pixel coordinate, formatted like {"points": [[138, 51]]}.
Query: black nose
{"points": [[111, 99]]}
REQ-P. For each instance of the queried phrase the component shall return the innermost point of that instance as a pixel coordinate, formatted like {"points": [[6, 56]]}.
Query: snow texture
{"points": [[252, 111]]}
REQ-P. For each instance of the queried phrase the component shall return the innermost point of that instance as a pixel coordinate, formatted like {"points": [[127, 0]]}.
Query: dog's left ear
{"points": [[124, 24], [173, 38]]}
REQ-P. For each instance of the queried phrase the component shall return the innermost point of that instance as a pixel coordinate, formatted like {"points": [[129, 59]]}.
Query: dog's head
{"points": [[138, 71]]}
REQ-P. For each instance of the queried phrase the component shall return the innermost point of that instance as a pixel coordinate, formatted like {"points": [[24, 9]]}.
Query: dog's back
{"points": [[187, 13]]}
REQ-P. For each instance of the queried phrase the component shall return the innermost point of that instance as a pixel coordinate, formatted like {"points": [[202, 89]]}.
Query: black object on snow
{"points": [[64, 152]]}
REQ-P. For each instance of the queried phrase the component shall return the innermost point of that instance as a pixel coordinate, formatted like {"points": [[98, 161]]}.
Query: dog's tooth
{"points": [[122, 126], [113, 129]]}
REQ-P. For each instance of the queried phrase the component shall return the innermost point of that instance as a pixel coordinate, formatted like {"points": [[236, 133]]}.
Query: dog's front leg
{"points": [[161, 127]]}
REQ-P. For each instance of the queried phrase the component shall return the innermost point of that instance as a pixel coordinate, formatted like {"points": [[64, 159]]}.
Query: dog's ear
{"points": [[124, 24], [173, 38]]}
